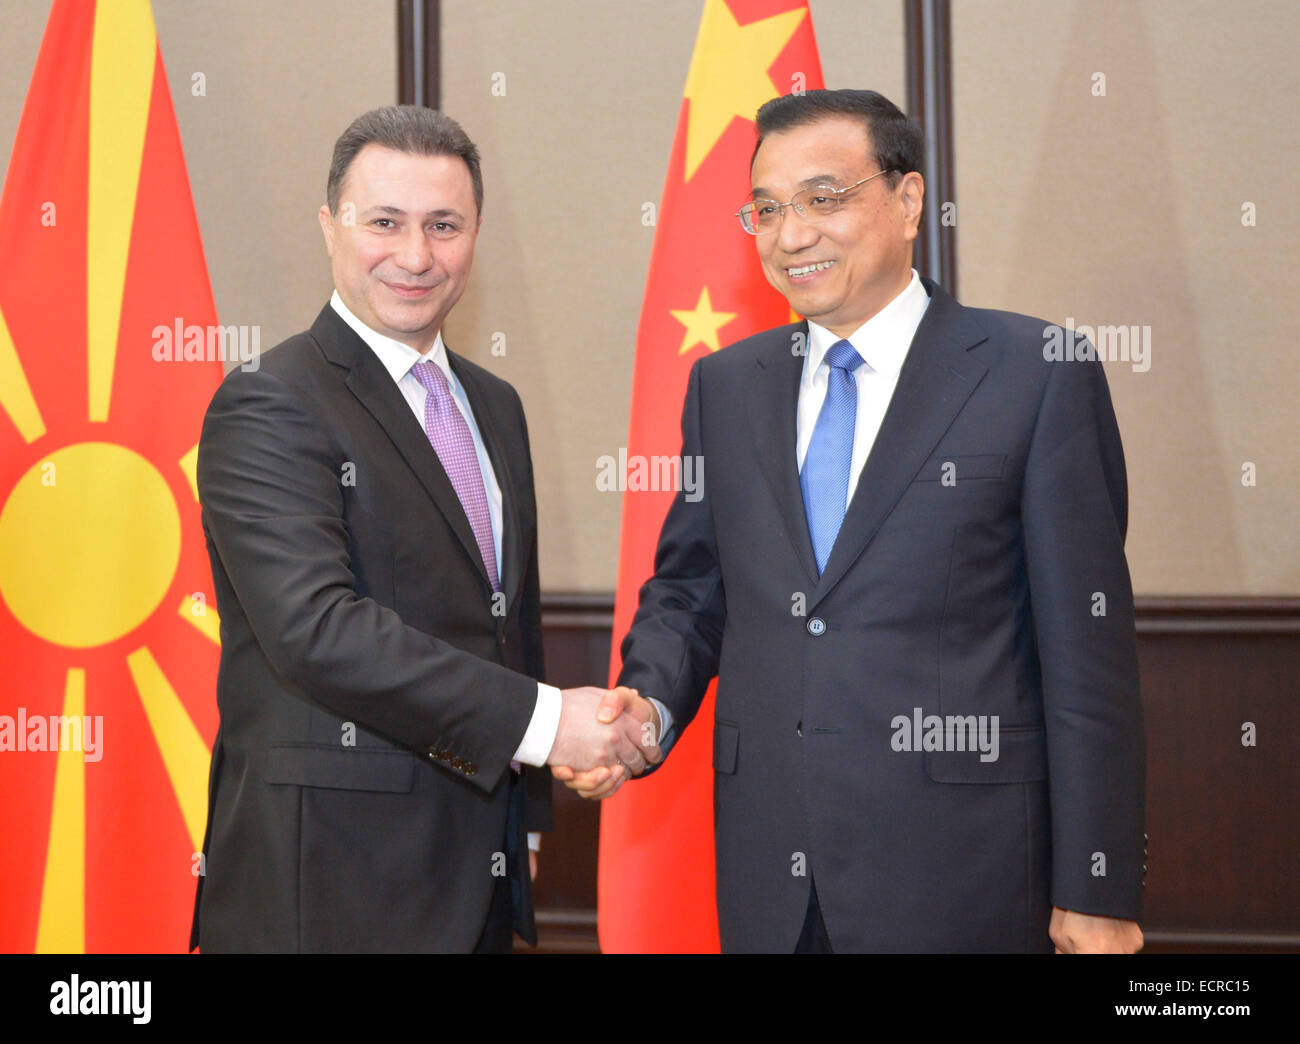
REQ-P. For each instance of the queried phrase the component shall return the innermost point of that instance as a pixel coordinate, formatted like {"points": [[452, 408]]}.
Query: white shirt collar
{"points": [[882, 340], [397, 358]]}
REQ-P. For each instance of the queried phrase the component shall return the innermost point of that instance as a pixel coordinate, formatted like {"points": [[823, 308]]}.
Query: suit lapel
{"points": [[374, 388], [511, 538], [772, 397], [937, 378]]}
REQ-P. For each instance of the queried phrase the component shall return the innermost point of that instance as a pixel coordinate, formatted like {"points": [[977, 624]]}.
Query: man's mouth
{"points": [[800, 273], [408, 291]]}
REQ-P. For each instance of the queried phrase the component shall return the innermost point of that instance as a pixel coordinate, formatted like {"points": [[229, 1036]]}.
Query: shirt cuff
{"points": [[534, 841], [539, 737], [665, 719]]}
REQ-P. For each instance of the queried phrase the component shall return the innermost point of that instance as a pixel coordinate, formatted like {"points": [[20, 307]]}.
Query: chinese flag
{"points": [[108, 638], [705, 289]]}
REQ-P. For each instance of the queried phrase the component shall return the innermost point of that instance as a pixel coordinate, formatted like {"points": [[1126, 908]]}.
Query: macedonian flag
{"points": [[108, 637], [705, 289]]}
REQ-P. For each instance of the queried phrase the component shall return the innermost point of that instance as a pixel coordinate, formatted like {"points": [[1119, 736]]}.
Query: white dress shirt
{"points": [[397, 359], [882, 341]]}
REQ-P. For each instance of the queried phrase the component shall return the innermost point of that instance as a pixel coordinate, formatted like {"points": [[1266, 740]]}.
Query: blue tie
{"points": [[826, 466]]}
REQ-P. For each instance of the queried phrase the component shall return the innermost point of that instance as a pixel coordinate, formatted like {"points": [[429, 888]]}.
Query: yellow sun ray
{"points": [[15, 393], [184, 754], [61, 927], [190, 465], [201, 616], [121, 81]]}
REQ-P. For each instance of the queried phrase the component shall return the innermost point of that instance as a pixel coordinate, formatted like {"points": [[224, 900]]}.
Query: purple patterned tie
{"points": [[451, 439]]}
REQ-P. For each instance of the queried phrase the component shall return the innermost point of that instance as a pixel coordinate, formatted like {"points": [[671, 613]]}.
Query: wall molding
{"points": [[1156, 614]]}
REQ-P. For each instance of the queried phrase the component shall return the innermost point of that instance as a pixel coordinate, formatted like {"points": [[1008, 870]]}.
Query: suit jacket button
{"points": [[816, 626]]}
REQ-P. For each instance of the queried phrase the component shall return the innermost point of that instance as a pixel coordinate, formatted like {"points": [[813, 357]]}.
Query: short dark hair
{"points": [[403, 128], [899, 143]]}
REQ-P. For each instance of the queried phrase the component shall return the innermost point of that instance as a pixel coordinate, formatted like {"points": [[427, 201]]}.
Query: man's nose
{"points": [[794, 233], [414, 254]]}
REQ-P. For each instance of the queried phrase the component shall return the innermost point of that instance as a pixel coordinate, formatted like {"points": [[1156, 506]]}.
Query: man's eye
{"points": [[764, 209], [382, 222], [444, 228]]}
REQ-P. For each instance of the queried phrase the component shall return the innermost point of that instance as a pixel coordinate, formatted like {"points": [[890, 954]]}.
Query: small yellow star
{"points": [[728, 75], [702, 324]]}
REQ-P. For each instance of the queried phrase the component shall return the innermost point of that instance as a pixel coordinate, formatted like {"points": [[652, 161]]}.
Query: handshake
{"points": [[605, 737]]}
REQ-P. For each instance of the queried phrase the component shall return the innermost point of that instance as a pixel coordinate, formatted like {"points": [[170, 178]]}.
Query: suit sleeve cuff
{"points": [[539, 737]]}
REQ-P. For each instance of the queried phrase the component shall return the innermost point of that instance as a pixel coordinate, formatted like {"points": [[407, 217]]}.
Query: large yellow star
{"points": [[702, 324], [728, 76]]}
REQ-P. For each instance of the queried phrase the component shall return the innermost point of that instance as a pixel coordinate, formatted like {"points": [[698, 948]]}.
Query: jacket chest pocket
{"points": [[955, 468]]}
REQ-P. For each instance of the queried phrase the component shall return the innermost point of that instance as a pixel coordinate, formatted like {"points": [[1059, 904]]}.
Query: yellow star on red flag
{"points": [[702, 323], [728, 75]]}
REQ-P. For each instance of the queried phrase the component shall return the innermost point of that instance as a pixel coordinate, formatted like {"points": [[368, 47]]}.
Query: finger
{"points": [[612, 704], [641, 735], [605, 791], [606, 783], [647, 743], [582, 781], [562, 772], [617, 777], [628, 751]]}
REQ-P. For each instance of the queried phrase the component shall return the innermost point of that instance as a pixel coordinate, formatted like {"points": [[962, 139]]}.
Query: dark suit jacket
{"points": [[974, 597], [352, 593]]}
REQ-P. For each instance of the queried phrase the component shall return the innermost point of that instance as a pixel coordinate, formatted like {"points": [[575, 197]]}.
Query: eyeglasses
{"points": [[812, 204]]}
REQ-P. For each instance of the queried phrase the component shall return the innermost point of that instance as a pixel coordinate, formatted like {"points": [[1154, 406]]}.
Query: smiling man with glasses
{"points": [[907, 572]]}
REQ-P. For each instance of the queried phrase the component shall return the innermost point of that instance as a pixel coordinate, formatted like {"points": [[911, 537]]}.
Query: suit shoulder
{"points": [[1023, 342], [1005, 326], [790, 339], [296, 363], [1044, 355]]}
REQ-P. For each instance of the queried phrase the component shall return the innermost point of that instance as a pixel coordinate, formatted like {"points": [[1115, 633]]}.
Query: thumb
{"points": [[612, 704]]}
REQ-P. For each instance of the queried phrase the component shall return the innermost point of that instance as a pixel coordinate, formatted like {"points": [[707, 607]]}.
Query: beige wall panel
{"points": [[1127, 209], [572, 150], [283, 79]]}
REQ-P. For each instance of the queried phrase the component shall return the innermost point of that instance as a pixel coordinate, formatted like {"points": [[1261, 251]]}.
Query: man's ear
{"points": [[912, 192], [327, 227]]}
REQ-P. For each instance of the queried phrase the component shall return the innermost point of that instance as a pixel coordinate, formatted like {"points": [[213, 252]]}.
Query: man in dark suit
{"points": [[368, 503], [907, 572]]}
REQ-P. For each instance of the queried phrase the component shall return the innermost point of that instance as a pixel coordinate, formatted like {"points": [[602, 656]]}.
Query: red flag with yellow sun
{"points": [[108, 637], [705, 289]]}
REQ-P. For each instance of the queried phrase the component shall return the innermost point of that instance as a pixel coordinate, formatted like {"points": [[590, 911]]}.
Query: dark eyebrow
{"points": [[820, 179], [817, 179], [431, 215]]}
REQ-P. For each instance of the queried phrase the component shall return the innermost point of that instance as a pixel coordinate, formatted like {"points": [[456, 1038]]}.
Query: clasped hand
{"points": [[605, 737]]}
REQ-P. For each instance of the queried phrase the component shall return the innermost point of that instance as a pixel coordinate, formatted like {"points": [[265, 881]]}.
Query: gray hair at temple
{"points": [[404, 128]]}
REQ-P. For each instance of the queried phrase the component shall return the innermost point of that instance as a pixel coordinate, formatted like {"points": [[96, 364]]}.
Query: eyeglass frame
{"points": [[839, 192]]}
